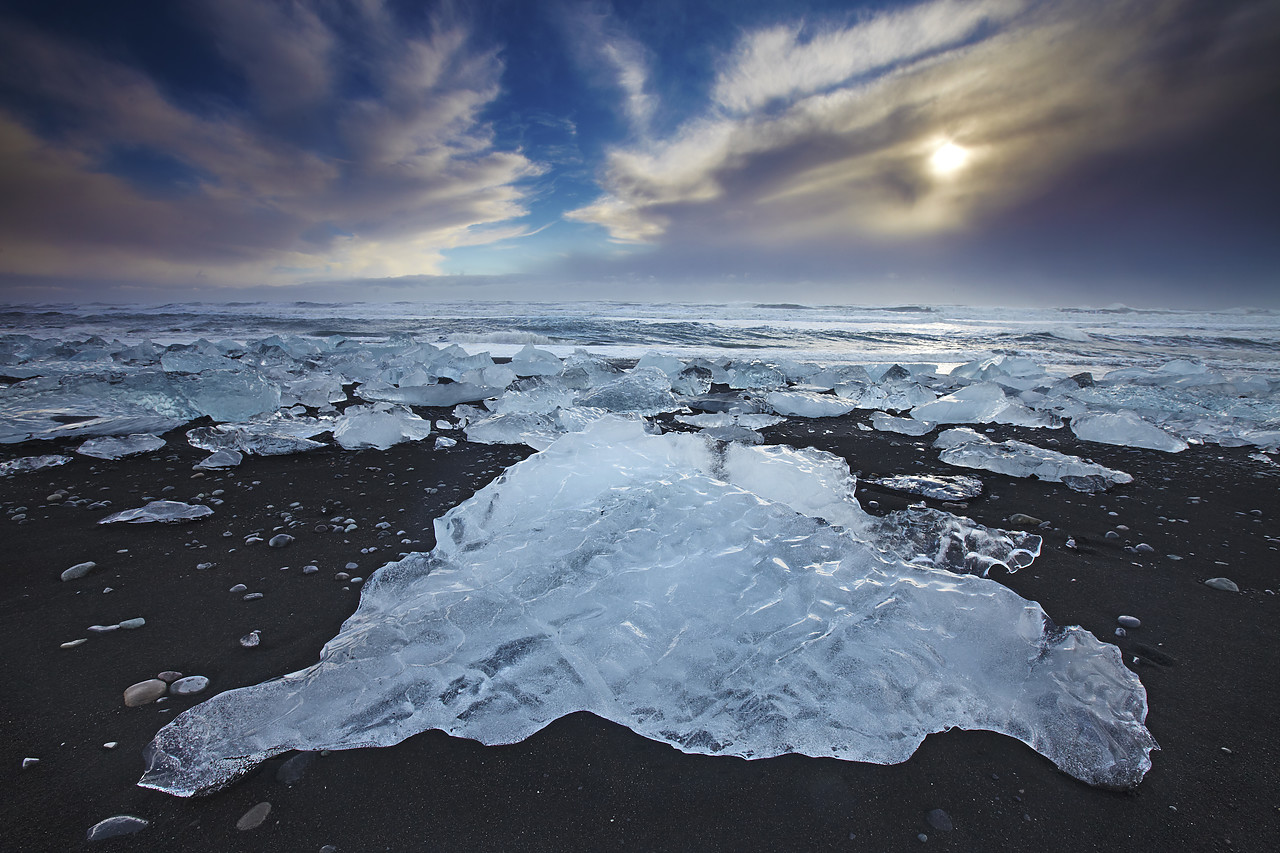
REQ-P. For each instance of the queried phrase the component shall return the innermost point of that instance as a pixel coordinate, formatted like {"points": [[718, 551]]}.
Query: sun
{"points": [[948, 159]]}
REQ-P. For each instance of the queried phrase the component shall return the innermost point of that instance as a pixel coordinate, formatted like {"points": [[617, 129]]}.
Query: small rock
{"points": [[253, 596], [102, 629], [71, 644], [310, 570], [29, 762], [922, 838], [1129, 622], [1224, 584], [251, 639], [111, 744], [78, 571], [342, 576], [940, 820], [1019, 519], [253, 818], [144, 692], [1143, 548], [169, 676], [280, 540], [238, 588], [189, 685], [352, 566], [133, 624], [113, 827], [203, 566], [1111, 534]]}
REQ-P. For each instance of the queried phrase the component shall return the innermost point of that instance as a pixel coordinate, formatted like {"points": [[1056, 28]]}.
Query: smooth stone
{"points": [[29, 762], [1224, 584], [113, 827], [310, 570], [280, 540], [71, 644], [78, 571], [352, 566], [253, 596], [940, 820], [1020, 519], [189, 685], [169, 676], [203, 566], [111, 744], [238, 588], [342, 576], [131, 624], [253, 818], [1129, 622], [1143, 548], [102, 629], [144, 692]]}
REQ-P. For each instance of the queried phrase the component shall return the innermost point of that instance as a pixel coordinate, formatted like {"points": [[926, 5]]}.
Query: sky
{"points": [[1019, 152]]}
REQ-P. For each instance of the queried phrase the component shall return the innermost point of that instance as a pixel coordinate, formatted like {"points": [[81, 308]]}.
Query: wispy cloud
{"points": [[825, 135], [386, 181], [612, 59]]}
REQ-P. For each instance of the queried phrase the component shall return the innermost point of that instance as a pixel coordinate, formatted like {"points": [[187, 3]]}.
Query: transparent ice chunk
{"points": [[808, 404], [165, 511], [1126, 429], [270, 439], [942, 487], [379, 426], [642, 390], [111, 447], [639, 578], [968, 449], [24, 464], [902, 426]]}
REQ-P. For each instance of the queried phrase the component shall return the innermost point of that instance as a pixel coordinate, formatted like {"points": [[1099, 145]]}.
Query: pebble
{"points": [[922, 838], [351, 566], [71, 644], [940, 820], [310, 570], [1224, 584], [78, 571], [253, 818], [251, 639], [342, 576], [111, 744], [113, 827], [189, 685], [203, 566], [238, 588], [144, 692], [1111, 534], [169, 676], [1144, 548], [132, 624], [102, 629], [280, 540], [1129, 622], [29, 762], [253, 596], [1020, 519]]}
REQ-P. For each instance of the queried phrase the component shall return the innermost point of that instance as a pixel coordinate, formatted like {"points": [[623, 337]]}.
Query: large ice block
{"points": [[686, 590], [965, 448]]}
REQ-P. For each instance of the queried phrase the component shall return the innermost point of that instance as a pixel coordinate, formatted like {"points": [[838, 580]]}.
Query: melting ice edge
{"points": [[726, 599]]}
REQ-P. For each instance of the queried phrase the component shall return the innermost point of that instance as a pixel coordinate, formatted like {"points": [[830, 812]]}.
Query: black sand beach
{"points": [[1205, 657]]}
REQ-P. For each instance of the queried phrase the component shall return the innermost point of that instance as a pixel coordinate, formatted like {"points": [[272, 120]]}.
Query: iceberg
{"points": [[683, 589], [967, 449], [165, 511], [1126, 429], [111, 447]]}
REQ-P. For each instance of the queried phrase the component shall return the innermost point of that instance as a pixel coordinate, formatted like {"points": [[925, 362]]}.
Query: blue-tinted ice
{"points": [[729, 600]]}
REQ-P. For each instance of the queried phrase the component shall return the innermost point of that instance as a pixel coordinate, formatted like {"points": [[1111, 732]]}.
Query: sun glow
{"points": [[948, 159]]}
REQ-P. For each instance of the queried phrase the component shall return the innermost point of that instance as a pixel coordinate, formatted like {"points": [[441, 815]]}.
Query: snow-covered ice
{"points": [[727, 600]]}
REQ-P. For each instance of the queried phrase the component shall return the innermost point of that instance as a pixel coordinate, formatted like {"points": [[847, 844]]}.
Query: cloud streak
{"points": [[381, 183], [824, 135]]}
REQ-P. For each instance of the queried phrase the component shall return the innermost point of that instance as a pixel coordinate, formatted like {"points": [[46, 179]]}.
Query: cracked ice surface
{"points": [[645, 579]]}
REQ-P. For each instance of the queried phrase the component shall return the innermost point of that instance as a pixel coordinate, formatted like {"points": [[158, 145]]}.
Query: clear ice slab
{"points": [[716, 598]]}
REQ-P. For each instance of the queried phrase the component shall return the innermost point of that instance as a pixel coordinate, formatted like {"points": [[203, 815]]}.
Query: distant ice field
{"points": [[1063, 340]]}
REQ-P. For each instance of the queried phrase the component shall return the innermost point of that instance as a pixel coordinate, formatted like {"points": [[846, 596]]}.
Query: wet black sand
{"points": [[584, 784]]}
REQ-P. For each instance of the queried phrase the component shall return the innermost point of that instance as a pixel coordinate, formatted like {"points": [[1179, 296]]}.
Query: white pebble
{"points": [[1129, 622], [78, 571]]}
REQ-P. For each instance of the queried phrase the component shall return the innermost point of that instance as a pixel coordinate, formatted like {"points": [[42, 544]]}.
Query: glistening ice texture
{"points": [[694, 595]]}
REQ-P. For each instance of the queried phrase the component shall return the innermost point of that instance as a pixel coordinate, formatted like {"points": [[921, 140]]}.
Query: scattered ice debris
{"points": [[808, 404], [965, 448], [163, 511], [220, 459], [1224, 584], [113, 447], [251, 639], [144, 692], [114, 827], [942, 487], [1129, 622], [443, 442], [78, 571], [31, 463], [903, 426], [795, 632], [276, 438], [188, 686], [1127, 429]]}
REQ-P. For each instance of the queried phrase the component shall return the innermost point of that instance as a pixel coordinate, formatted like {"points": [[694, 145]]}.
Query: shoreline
{"points": [[583, 783]]}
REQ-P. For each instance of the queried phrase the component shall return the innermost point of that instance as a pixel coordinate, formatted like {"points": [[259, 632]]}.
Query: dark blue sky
{"points": [[1007, 151]]}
